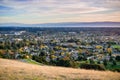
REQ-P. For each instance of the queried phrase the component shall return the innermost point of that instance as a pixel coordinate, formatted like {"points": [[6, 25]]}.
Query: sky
{"points": [[55, 11]]}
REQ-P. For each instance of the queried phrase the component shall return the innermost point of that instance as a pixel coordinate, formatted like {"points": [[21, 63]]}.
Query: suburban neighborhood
{"points": [[69, 48]]}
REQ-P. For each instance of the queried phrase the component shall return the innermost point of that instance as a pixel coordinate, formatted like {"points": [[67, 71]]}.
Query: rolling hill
{"points": [[16, 70]]}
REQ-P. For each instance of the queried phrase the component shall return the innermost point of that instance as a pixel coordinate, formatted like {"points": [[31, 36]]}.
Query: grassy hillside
{"points": [[15, 70]]}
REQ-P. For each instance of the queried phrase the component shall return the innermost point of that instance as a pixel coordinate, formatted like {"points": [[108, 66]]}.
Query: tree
{"points": [[109, 50], [91, 61], [99, 47], [63, 62], [92, 66], [114, 63], [105, 62], [117, 58]]}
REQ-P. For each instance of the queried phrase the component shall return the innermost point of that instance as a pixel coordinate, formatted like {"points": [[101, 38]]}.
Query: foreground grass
{"points": [[15, 70]]}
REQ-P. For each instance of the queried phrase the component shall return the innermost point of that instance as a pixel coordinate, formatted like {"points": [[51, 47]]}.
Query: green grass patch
{"points": [[116, 46], [31, 61]]}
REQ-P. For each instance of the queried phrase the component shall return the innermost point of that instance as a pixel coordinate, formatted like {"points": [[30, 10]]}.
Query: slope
{"points": [[16, 70]]}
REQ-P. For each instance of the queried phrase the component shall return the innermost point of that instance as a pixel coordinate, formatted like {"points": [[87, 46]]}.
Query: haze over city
{"points": [[56, 11]]}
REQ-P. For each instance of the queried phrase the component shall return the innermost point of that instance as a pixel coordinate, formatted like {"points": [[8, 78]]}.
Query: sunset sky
{"points": [[51, 11]]}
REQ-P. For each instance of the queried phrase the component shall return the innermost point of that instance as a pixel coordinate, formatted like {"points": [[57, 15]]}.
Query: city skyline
{"points": [[54, 11]]}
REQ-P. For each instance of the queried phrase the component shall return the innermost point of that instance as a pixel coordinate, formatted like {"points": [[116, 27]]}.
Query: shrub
{"points": [[105, 62], [65, 63], [117, 69], [117, 58], [74, 64], [92, 66]]}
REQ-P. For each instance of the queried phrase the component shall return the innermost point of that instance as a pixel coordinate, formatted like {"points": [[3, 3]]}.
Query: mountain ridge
{"points": [[64, 24]]}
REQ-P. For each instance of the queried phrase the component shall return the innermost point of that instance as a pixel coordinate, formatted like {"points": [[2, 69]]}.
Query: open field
{"points": [[15, 70]]}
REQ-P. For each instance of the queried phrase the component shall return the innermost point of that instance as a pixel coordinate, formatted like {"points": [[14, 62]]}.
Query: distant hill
{"points": [[65, 24], [16, 70]]}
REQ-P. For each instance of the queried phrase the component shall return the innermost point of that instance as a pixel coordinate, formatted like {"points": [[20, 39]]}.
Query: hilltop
{"points": [[16, 70]]}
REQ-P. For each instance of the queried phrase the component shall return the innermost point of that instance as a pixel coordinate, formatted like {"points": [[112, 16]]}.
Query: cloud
{"points": [[47, 10], [112, 4], [50, 6]]}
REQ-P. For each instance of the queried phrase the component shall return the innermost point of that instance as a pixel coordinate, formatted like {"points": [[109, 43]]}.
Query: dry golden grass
{"points": [[15, 70]]}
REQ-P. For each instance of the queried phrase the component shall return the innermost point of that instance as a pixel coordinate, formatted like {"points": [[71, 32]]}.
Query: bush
{"points": [[117, 58], [105, 63], [117, 69], [74, 64], [40, 59], [92, 66], [65, 63]]}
